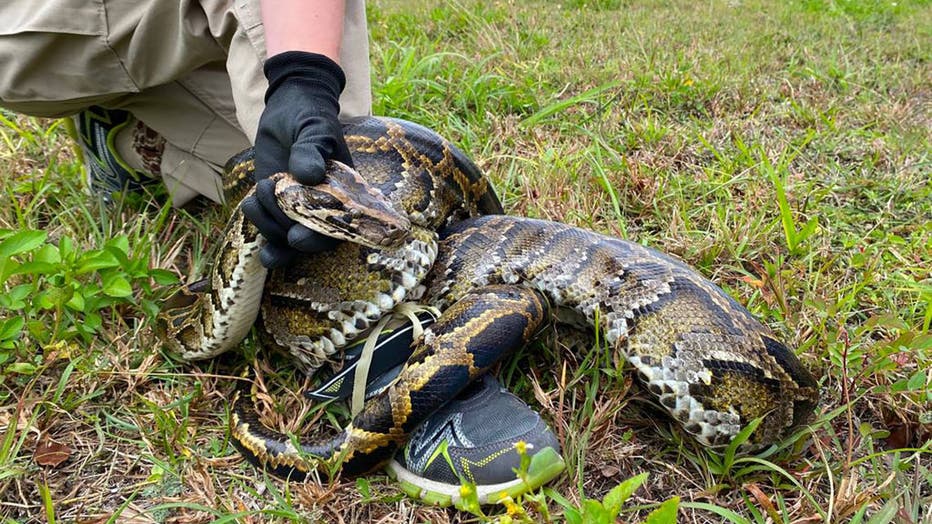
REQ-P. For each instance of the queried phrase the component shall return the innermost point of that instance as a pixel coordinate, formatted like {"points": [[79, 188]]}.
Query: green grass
{"points": [[781, 148]]}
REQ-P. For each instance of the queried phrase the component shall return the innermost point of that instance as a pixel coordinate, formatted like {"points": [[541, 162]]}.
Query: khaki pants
{"points": [[191, 70]]}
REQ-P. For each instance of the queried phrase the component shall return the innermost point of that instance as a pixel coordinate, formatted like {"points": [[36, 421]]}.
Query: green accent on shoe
{"points": [[111, 147], [466, 463], [442, 450]]}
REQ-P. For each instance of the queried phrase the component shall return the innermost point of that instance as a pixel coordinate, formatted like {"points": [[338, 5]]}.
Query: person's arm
{"points": [[303, 25], [299, 130]]}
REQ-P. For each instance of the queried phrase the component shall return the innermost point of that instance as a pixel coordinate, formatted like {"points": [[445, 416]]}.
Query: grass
{"points": [[782, 149]]}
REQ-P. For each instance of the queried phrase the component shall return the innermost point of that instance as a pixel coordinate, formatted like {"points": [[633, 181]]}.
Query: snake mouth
{"points": [[369, 231], [343, 206]]}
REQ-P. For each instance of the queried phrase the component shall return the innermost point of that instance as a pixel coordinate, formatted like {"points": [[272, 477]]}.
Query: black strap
{"points": [[391, 352]]}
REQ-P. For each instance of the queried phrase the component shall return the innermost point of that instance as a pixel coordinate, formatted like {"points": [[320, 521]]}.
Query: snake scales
{"points": [[417, 233]]}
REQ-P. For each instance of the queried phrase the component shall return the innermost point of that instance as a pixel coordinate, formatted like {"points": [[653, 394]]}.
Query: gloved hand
{"points": [[298, 132]]}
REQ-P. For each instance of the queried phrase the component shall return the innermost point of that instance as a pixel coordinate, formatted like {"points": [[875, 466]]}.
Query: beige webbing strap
{"points": [[406, 310], [361, 373]]}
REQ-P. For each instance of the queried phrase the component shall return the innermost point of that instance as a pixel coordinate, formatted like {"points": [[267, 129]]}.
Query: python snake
{"points": [[429, 229]]}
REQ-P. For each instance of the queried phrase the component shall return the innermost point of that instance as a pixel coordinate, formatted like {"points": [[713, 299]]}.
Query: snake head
{"points": [[343, 206]]}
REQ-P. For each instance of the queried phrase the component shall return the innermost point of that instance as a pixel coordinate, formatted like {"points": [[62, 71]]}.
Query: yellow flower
{"points": [[465, 490], [510, 507], [521, 447]]}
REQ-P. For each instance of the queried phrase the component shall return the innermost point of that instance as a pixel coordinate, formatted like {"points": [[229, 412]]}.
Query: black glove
{"points": [[298, 132]]}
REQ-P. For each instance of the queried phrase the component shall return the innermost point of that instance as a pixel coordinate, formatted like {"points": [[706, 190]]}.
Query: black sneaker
{"points": [[473, 443], [107, 174]]}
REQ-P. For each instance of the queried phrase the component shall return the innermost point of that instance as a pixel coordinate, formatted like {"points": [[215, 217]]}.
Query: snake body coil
{"points": [[497, 280]]}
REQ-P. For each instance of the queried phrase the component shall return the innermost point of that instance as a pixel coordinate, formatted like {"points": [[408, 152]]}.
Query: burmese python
{"points": [[497, 280]]}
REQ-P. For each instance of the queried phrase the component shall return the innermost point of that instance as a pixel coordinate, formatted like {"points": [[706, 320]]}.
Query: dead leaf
{"points": [[763, 500], [900, 435], [93, 520], [902, 359], [23, 419], [50, 453], [609, 470], [809, 520]]}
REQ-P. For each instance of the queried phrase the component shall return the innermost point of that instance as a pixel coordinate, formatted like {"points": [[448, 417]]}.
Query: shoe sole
{"points": [[546, 465]]}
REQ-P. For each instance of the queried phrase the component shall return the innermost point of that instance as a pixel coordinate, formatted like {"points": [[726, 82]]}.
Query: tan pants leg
{"points": [[196, 117]]}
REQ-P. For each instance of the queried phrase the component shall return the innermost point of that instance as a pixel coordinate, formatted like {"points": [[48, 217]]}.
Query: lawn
{"points": [[780, 148]]}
